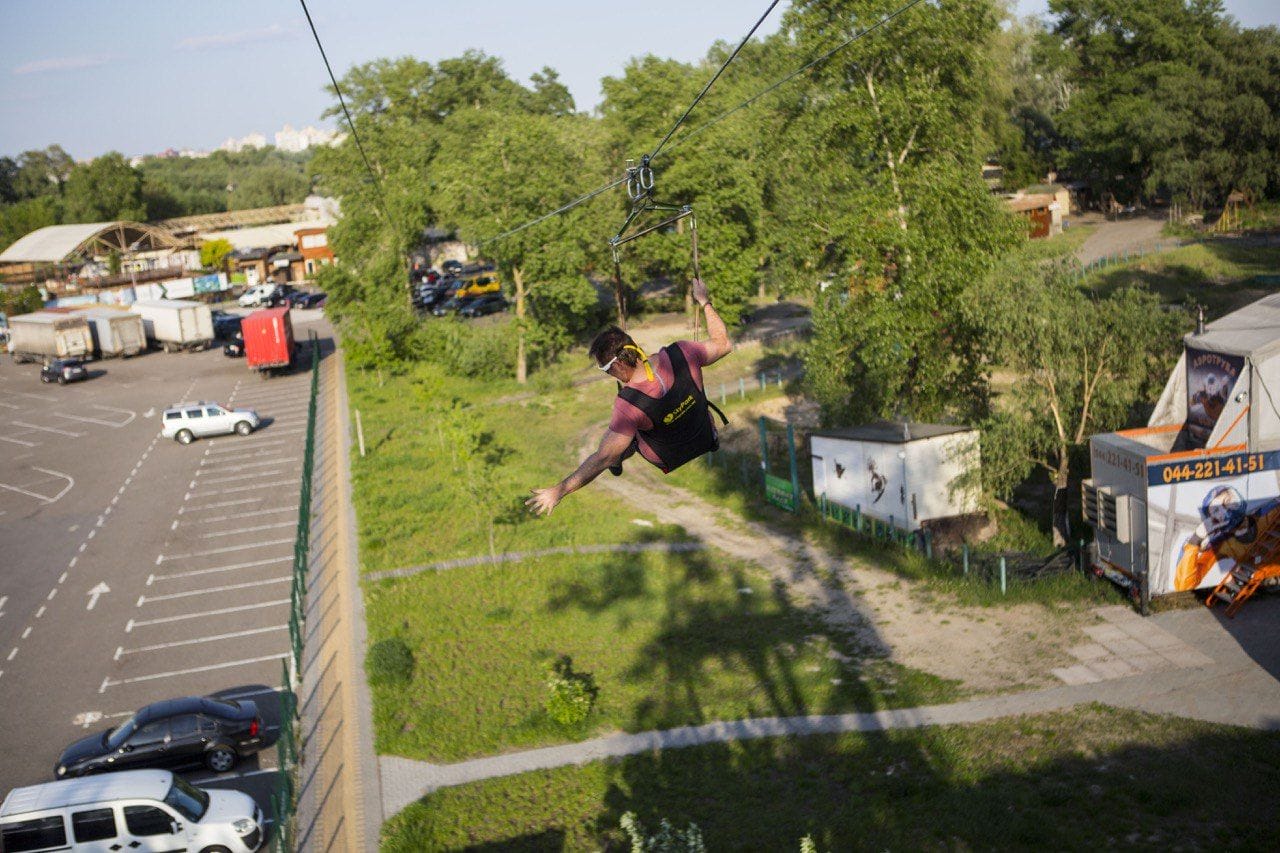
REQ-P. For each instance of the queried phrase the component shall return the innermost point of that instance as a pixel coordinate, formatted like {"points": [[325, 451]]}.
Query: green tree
{"points": [[42, 172], [103, 190], [1082, 363], [213, 253], [26, 216], [23, 301]]}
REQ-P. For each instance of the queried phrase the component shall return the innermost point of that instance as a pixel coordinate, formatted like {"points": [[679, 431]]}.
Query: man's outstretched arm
{"points": [[719, 346], [611, 448]]}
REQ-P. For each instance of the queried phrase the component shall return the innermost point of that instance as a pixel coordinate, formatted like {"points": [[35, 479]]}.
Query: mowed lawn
{"points": [[1086, 779], [670, 639]]}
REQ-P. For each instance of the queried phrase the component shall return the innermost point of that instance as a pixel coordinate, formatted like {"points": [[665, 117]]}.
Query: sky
{"points": [[140, 76]]}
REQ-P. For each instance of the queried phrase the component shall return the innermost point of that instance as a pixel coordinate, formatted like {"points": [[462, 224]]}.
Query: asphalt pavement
{"points": [[132, 568]]}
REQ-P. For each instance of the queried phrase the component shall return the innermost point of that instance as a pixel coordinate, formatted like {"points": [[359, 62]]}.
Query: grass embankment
{"points": [[1086, 779], [1218, 273], [671, 639]]}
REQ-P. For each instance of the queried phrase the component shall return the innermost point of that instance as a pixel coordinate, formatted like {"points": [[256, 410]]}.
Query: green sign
{"points": [[778, 492]]}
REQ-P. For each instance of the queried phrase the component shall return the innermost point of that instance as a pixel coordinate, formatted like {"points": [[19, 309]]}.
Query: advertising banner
{"points": [[1210, 378], [1201, 523], [207, 283]]}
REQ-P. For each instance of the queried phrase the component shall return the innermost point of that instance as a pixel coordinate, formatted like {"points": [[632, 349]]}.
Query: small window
{"points": [[213, 411], [38, 833], [195, 413], [172, 416], [149, 734], [93, 825], [208, 724], [183, 726], [148, 820]]}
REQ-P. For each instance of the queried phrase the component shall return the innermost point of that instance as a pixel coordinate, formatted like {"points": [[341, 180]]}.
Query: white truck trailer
{"points": [[115, 332], [44, 335], [175, 324]]}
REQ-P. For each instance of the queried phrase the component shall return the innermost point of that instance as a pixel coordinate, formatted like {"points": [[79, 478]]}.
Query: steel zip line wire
{"points": [[794, 74], [585, 198], [377, 184], [719, 118], [712, 81]]}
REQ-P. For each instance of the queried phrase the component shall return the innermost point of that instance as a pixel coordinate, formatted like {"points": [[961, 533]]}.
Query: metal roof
{"points": [[56, 243], [265, 236], [891, 432], [1252, 331], [108, 787]]}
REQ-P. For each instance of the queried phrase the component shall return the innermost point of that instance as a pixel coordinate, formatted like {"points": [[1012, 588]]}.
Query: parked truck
{"points": [[115, 332], [268, 340], [44, 336], [175, 324]]}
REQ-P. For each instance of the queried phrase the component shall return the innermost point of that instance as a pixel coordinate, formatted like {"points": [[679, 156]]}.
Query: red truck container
{"points": [[268, 339]]}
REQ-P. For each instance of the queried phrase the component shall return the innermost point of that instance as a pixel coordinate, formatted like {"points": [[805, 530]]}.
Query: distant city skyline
{"points": [[192, 76]]}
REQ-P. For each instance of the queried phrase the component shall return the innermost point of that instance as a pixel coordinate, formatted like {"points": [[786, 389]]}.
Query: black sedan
{"points": [[490, 303], [301, 299], [63, 370], [191, 731], [448, 306], [451, 267]]}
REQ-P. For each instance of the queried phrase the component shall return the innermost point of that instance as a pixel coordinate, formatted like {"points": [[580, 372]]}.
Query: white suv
{"points": [[189, 421], [258, 295]]}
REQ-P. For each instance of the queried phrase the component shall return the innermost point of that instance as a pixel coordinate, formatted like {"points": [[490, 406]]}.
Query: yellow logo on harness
{"points": [[679, 410]]}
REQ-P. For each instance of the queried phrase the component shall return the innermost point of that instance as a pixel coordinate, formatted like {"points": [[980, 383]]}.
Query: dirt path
{"points": [[1124, 235], [986, 650]]}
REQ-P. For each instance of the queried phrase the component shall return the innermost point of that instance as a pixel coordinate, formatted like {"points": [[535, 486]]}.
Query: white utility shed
{"points": [[897, 471]]}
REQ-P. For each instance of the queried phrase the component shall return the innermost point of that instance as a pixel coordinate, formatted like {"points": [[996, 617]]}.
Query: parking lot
{"points": [[134, 569]]}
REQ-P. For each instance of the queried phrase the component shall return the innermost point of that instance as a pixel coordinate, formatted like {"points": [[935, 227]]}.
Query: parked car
{"points": [[256, 296], [226, 325], [139, 810], [480, 285], [448, 306], [191, 731], [302, 299], [63, 370], [189, 421], [233, 349], [490, 303], [451, 268]]}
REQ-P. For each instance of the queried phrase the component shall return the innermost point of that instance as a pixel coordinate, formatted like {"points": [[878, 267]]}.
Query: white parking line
{"points": [[239, 502], [107, 682], [49, 429], [121, 650], [240, 478], [248, 529], [231, 568], [254, 514], [44, 498], [245, 547], [19, 441], [211, 451], [277, 460], [251, 488], [10, 405], [141, 623], [100, 421], [143, 599]]}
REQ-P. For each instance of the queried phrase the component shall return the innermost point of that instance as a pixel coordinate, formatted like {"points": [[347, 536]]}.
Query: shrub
{"points": [[571, 694], [668, 839], [390, 662]]}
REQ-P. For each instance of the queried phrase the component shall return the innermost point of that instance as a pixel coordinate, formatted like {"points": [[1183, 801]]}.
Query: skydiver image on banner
{"points": [[1227, 530], [1210, 378]]}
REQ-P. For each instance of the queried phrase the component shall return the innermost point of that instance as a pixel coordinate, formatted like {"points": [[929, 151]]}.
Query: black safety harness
{"points": [[682, 427]]}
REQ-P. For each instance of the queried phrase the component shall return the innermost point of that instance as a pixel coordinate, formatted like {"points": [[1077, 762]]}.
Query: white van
{"points": [[258, 295], [134, 810]]}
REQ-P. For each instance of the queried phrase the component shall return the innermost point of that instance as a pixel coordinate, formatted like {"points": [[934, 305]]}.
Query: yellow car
{"points": [[480, 285]]}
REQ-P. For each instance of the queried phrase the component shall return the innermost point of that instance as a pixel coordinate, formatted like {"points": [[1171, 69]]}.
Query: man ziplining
{"points": [[660, 412]]}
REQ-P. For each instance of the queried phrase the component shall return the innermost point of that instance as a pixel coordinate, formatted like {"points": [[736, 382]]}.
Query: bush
{"points": [[668, 840], [390, 662], [477, 351], [572, 694]]}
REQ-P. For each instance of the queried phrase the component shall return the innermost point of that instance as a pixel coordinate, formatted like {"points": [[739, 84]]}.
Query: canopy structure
{"points": [[59, 244]]}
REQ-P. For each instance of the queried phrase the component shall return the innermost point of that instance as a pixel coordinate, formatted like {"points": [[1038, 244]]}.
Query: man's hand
{"points": [[700, 293], [544, 500]]}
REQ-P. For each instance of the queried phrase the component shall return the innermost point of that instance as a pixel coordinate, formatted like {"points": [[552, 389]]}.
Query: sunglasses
{"points": [[604, 368]]}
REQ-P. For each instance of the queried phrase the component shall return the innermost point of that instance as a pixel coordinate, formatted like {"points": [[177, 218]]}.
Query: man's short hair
{"points": [[610, 343]]}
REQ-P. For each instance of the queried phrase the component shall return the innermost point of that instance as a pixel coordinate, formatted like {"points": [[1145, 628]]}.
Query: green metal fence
{"points": [[284, 800]]}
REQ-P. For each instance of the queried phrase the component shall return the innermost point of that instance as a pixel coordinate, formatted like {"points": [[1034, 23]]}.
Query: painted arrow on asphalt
{"points": [[148, 413], [95, 592]]}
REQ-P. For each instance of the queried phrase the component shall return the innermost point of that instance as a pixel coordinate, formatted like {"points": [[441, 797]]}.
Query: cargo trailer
{"points": [[115, 332], [44, 335], [268, 340], [175, 324]]}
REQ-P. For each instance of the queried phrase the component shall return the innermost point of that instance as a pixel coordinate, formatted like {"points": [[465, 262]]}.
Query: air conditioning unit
{"points": [[1105, 510]]}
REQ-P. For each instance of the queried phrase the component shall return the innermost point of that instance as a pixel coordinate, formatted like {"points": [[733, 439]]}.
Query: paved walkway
{"points": [[1232, 677]]}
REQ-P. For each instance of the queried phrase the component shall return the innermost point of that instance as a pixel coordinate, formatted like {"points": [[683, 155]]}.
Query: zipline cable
{"points": [[377, 183], [712, 81], [794, 74], [564, 208]]}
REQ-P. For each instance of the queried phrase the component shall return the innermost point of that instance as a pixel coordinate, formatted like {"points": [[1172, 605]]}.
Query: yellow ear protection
{"points": [[644, 359]]}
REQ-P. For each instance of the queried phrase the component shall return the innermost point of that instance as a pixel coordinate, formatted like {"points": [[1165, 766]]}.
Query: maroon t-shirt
{"points": [[627, 419]]}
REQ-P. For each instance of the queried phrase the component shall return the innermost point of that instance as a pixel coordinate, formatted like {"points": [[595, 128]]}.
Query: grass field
{"points": [[1087, 779]]}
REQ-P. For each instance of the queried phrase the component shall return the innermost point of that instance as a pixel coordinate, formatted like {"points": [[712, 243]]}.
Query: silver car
{"points": [[189, 421]]}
